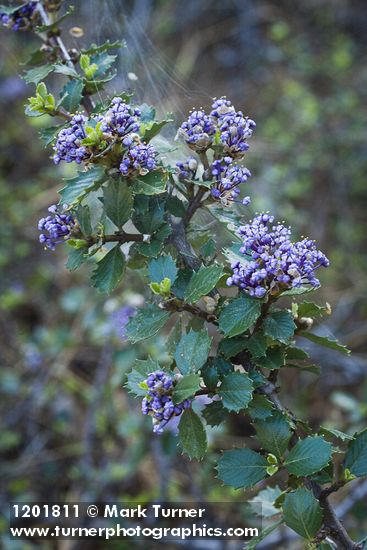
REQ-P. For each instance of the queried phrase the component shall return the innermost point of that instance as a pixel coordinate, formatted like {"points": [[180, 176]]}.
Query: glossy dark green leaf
{"points": [[236, 391], [302, 513], [239, 315], [146, 323], [241, 468], [109, 270], [192, 434]]}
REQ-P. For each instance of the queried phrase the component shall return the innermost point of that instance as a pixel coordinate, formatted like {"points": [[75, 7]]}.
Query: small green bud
{"points": [[271, 470], [348, 476], [84, 61], [165, 286], [77, 243], [41, 90], [155, 287], [272, 459], [90, 71]]}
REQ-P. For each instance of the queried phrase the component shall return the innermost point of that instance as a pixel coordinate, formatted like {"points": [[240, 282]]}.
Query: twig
{"points": [[118, 237]]}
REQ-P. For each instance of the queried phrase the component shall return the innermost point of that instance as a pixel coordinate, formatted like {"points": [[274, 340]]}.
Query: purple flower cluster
{"points": [[272, 262], [223, 126], [57, 227], [226, 131], [138, 159], [198, 130], [68, 145], [187, 169], [20, 19], [158, 402], [235, 129], [120, 119], [228, 177]]}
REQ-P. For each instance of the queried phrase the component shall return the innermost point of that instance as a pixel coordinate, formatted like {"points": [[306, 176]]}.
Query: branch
{"points": [[177, 305], [118, 237], [331, 522]]}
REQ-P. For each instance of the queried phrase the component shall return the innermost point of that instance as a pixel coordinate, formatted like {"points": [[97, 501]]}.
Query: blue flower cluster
{"points": [[120, 119], [20, 19], [198, 130], [138, 159], [68, 145], [57, 227], [187, 169], [118, 124], [228, 177], [272, 262], [158, 401], [224, 126], [226, 131]]}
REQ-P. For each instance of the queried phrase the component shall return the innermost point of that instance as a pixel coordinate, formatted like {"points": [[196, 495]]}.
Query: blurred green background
{"points": [[68, 429]]}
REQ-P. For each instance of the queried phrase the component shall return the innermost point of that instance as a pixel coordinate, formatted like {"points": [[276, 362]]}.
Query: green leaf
{"points": [[230, 347], [77, 187], [146, 323], [308, 456], [11, 9], [186, 387], [332, 432], [48, 134], [138, 374], [260, 408], [192, 351], [274, 359], [280, 326], [117, 202], [34, 76], [161, 268], [296, 291], [241, 468], [72, 94], [192, 434], [154, 247], [75, 258], [356, 457], [252, 545], [236, 391], [302, 513], [214, 413], [174, 337], [153, 128], [274, 433], [239, 315], [94, 48], [309, 309], [104, 62], [176, 206], [327, 342], [83, 217], [263, 503], [297, 354], [257, 345], [202, 282], [214, 370], [109, 270], [153, 183], [65, 70]]}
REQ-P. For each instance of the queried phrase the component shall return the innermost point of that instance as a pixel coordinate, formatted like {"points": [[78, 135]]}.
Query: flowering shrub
{"points": [[151, 207]]}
